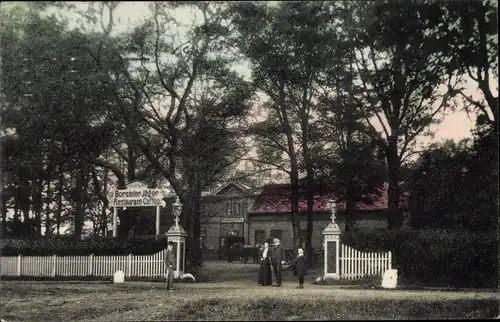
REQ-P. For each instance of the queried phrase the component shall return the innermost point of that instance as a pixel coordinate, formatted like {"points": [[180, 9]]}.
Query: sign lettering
{"points": [[138, 197]]}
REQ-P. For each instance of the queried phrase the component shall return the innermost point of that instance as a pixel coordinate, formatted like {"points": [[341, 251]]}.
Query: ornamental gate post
{"points": [[331, 240]]}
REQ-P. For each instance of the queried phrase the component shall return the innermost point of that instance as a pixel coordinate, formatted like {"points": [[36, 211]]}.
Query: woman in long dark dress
{"points": [[265, 277]]}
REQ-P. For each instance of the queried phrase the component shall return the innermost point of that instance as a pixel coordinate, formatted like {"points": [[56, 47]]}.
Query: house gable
{"points": [[231, 189]]}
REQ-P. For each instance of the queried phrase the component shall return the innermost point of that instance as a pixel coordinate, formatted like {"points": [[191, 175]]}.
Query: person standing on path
{"points": [[265, 277], [299, 267], [169, 265], [277, 260]]}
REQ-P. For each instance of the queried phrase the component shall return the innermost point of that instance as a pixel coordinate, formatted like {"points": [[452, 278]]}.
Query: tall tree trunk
{"points": [[79, 201], [350, 189], [3, 203], [294, 202], [294, 168], [310, 189], [131, 164], [190, 223], [395, 219], [24, 198], [38, 205], [104, 214], [99, 191], [310, 208], [350, 209], [60, 193], [196, 259], [4, 215], [16, 206], [191, 201], [48, 220]]}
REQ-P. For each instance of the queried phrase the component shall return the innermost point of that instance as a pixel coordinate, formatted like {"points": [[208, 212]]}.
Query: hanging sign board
{"points": [[138, 195]]}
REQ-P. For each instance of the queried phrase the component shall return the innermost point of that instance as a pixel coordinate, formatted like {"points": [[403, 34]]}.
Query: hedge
{"points": [[69, 247], [63, 246], [436, 257]]}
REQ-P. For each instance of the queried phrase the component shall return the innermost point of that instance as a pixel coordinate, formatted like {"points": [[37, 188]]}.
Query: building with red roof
{"points": [[236, 213]]}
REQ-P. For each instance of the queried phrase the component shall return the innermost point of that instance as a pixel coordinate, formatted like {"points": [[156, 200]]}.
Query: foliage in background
{"points": [[141, 245], [456, 185], [436, 257], [57, 111]]}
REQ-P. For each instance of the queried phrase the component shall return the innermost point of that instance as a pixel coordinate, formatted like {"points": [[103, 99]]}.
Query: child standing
{"points": [[299, 267]]}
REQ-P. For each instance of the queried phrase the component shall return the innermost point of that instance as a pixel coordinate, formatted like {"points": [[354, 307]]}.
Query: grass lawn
{"points": [[232, 294]]}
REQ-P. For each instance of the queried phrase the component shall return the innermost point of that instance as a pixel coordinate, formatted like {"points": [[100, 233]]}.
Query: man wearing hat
{"points": [[169, 265]]}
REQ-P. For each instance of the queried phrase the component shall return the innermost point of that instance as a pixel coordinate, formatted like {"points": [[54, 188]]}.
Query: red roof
{"points": [[276, 199]]}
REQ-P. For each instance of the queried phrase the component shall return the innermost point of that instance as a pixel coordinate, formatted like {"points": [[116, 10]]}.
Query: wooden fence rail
{"points": [[356, 264], [103, 266]]}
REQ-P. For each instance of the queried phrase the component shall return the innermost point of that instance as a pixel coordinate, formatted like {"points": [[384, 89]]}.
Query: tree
{"points": [[269, 54], [352, 165], [289, 47], [466, 38], [400, 83], [193, 105], [58, 110], [459, 172]]}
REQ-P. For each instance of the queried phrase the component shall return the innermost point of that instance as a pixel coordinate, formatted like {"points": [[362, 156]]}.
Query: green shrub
{"points": [[451, 258], [436, 257], [378, 240]]}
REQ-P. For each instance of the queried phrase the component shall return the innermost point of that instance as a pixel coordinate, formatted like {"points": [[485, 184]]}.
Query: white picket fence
{"points": [[103, 266], [355, 264]]}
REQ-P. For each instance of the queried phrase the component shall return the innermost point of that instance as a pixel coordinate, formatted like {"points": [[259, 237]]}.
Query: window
{"points": [[203, 238], [277, 234], [234, 208], [260, 236], [303, 235]]}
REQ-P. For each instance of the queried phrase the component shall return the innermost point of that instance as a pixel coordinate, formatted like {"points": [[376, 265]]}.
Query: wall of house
{"points": [[224, 212], [270, 222], [283, 222]]}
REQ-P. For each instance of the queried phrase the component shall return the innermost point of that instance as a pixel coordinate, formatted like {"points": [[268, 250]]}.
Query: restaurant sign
{"points": [[138, 194]]}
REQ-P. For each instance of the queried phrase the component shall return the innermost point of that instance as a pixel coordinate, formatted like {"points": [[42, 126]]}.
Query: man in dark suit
{"points": [[278, 259], [169, 265]]}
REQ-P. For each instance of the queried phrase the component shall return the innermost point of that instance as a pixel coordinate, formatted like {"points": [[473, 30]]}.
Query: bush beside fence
{"points": [[144, 245], [436, 257]]}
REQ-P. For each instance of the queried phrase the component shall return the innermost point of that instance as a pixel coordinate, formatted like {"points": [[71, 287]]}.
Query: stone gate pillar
{"points": [[331, 245], [177, 235]]}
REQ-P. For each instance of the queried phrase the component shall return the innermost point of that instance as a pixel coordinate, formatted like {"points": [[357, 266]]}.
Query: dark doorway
{"points": [[231, 246]]}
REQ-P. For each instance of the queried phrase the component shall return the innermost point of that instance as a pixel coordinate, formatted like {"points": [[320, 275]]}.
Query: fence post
{"points": [[91, 264], [390, 260], [54, 263], [19, 265], [129, 268]]}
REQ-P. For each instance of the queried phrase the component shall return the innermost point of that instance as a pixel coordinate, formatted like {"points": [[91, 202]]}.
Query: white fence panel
{"points": [[37, 265], [71, 265], [356, 264], [8, 265], [103, 266]]}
